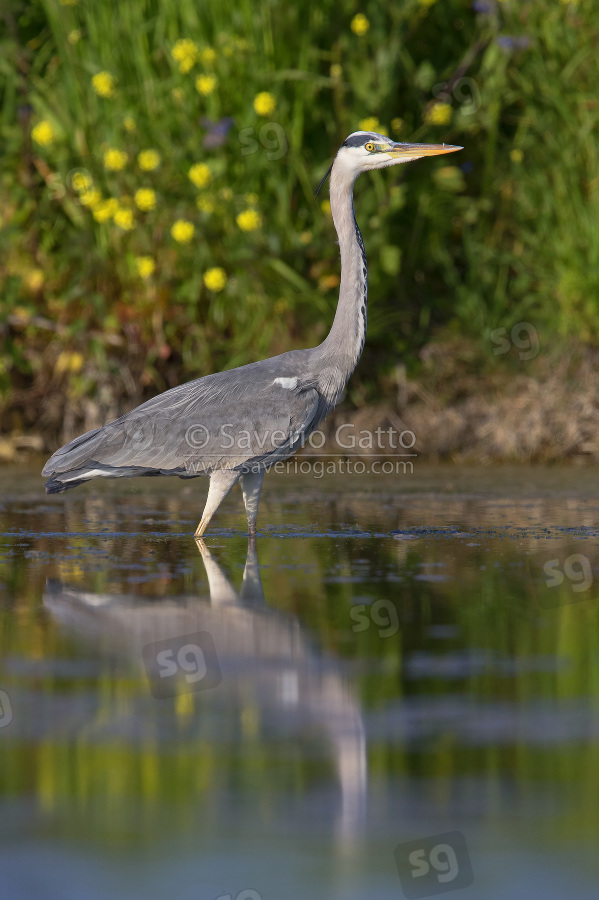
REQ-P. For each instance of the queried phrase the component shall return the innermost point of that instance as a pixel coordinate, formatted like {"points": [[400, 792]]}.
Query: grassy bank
{"points": [[463, 405]]}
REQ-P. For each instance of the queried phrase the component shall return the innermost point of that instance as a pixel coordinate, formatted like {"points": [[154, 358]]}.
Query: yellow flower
{"points": [[145, 266], [91, 198], [327, 282], [369, 124], [81, 181], [249, 220], [226, 193], [305, 237], [205, 204], [326, 207], [124, 218], [74, 36], [185, 52], [397, 125], [129, 124], [438, 114], [264, 103], [178, 95], [336, 71], [183, 231], [68, 362], [251, 199], [186, 64], [183, 48], [148, 160], [200, 174], [101, 213], [114, 160], [205, 84], [360, 24], [215, 279], [103, 84], [516, 155], [145, 199], [105, 210], [35, 279], [207, 56], [43, 133], [77, 360]]}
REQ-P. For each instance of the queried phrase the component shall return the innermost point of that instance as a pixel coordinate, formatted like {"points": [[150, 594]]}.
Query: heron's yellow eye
{"points": [[369, 146]]}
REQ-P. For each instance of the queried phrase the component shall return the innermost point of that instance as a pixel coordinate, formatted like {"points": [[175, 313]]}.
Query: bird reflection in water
{"points": [[264, 656]]}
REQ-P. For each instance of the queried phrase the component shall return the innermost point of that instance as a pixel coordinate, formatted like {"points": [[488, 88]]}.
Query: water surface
{"points": [[396, 659]]}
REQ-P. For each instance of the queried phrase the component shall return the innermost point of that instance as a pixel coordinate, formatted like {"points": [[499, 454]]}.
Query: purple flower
{"points": [[508, 43], [217, 132], [484, 6]]}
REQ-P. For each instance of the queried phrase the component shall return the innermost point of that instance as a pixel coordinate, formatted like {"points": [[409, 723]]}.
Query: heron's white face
{"points": [[364, 150]]}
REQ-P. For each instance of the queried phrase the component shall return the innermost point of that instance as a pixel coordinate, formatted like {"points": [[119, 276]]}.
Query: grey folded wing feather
{"points": [[220, 420]]}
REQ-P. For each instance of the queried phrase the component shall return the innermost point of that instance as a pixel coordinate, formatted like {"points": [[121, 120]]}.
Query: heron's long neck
{"points": [[345, 340]]}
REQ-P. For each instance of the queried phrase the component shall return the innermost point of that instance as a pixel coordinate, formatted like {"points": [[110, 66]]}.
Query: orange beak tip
{"points": [[448, 148], [416, 151]]}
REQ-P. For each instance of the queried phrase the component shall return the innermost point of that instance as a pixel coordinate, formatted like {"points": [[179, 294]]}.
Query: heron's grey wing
{"points": [[268, 428], [222, 420]]}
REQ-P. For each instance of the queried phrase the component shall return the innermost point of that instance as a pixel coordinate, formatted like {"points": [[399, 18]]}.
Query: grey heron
{"points": [[233, 425]]}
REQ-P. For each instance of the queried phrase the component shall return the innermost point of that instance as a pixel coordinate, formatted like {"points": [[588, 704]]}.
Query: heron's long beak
{"points": [[415, 151]]}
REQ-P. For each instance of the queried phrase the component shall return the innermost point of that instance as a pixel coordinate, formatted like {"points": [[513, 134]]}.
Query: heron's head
{"points": [[365, 150]]}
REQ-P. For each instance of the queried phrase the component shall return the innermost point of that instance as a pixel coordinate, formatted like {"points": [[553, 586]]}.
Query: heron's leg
{"points": [[220, 588], [251, 485], [221, 483], [251, 592]]}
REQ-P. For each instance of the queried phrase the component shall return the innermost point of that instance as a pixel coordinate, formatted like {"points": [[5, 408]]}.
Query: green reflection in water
{"points": [[381, 654]]}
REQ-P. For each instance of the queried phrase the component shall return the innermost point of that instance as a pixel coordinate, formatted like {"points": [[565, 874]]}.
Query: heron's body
{"points": [[233, 425]]}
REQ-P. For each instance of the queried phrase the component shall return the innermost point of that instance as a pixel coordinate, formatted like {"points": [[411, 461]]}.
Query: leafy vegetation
{"points": [[158, 167]]}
